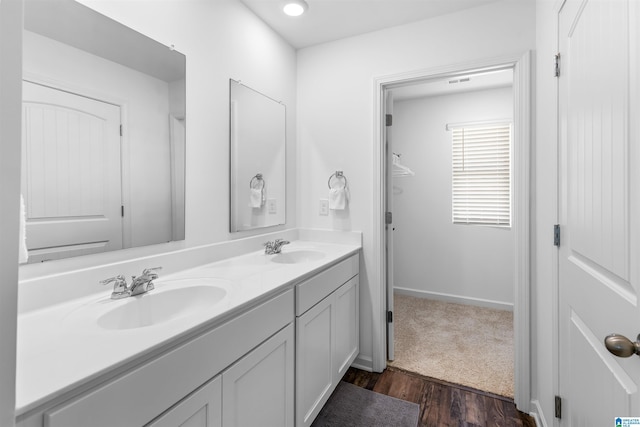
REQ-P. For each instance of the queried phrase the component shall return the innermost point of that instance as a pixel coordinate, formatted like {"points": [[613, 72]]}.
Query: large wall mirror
{"points": [[103, 155], [257, 147]]}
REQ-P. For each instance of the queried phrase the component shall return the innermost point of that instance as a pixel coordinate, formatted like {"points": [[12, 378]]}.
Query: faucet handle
{"points": [[151, 271], [119, 280], [269, 247], [151, 274], [120, 289]]}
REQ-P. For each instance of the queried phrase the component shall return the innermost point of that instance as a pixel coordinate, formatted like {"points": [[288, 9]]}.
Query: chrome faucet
{"points": [[139, 285], [120, 288], [271, 248], [143, 283]]}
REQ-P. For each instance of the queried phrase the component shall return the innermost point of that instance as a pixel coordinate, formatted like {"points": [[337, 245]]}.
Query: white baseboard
{"points": [[537, 414], [500, 305], [363, 363]]}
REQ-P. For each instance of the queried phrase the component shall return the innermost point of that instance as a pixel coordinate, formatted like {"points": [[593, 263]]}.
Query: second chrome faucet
{"points": [[139, 284], [271, 248]]}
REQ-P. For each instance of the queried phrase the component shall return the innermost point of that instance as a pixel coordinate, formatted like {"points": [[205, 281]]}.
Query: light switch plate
{"points": [[324, 207], [272, 206]]}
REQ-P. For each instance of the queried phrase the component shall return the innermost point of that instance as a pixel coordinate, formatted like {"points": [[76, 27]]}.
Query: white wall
{"points": [[146, 151], [433, 257], [10, 128], [221, 39], [335, 111]]}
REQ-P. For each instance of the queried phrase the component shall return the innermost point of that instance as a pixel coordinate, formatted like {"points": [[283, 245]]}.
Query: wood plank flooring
{"points": [[442, 404]]}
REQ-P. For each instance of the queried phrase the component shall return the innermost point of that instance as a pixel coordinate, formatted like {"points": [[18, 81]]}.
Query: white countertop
{"points": [[62, 347]]}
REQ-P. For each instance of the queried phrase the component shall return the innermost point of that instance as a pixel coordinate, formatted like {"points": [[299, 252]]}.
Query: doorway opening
{"points": [[450, 246], [518, 66]]}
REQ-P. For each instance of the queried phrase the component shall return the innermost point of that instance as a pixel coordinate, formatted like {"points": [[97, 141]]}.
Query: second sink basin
{"points": [[154, 308], [298, 256]]}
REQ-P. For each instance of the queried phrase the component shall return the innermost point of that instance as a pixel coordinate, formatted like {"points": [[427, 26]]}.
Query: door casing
{"points": [[521, 65]]}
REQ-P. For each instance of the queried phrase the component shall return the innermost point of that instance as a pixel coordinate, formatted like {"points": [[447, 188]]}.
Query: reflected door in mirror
{"points": [[70, 174]]}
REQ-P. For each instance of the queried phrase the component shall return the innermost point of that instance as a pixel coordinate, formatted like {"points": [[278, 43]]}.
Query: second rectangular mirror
{"points": [[257, 147]]}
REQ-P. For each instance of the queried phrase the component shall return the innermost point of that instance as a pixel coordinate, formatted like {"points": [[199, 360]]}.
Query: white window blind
{"points": [[482, 175]]}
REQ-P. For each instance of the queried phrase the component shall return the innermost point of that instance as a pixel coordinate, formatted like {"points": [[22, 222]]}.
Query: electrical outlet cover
{"points": [[272, 205], [324, 207]]}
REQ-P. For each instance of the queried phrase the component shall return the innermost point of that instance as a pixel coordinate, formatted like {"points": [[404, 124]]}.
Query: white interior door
{"points": [[71, 178], [388, 94], [599, 209]]}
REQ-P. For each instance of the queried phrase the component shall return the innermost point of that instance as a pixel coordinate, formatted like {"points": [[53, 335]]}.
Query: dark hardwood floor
{"points": [[441, 403]]}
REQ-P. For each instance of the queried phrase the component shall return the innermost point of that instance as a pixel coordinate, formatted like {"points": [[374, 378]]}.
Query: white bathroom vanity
{"points": [[253, 339]]}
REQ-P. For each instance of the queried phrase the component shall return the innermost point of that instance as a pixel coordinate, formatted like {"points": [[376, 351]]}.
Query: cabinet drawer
{"points": [[310, 292], [140, 395]]}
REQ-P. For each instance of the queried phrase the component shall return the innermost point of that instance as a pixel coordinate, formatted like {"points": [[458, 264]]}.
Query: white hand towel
{"points": [[257, 198], [338, 198], [23, 255]]}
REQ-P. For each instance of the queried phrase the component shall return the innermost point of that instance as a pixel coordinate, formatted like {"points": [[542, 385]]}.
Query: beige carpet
{"points": [[462, 344]]}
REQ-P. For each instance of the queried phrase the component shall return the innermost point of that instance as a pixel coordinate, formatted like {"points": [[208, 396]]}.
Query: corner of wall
{"points": [[10, 130]]}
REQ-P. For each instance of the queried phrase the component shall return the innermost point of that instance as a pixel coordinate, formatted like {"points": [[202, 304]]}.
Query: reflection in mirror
{"points": [[257, 134], [103, 134]]}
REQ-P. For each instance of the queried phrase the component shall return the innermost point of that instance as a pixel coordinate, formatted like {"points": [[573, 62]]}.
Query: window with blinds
{"points": [[481, 191]]}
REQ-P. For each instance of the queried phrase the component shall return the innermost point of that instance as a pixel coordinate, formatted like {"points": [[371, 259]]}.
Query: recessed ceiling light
{"points": [[295, 7]]}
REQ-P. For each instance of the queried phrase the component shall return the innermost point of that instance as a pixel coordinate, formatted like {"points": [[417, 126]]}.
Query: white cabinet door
{"points": [[347, 330], [203, 408], [314, 360], [258, 389], [327, 342]]}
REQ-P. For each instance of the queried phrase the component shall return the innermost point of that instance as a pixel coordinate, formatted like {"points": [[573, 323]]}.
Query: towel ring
{"points": [[337, 175], [258, 178]]}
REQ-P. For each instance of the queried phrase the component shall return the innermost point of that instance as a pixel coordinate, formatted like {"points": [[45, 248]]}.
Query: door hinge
{"points": [[121, 132], [122, 211], [556, 235], [389, 119], [557, 65], [389, 316], [388, 218], [558, 407]]}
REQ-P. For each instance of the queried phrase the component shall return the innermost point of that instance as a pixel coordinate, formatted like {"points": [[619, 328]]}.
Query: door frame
{"points": [[521, 65]]}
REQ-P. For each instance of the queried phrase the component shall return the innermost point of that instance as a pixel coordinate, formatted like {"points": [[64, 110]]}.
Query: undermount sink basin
{"points": [[160, 306], [298, 256]]}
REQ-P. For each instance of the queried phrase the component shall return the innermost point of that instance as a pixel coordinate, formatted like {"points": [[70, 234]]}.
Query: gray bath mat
{"points": [[353, 406]]}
